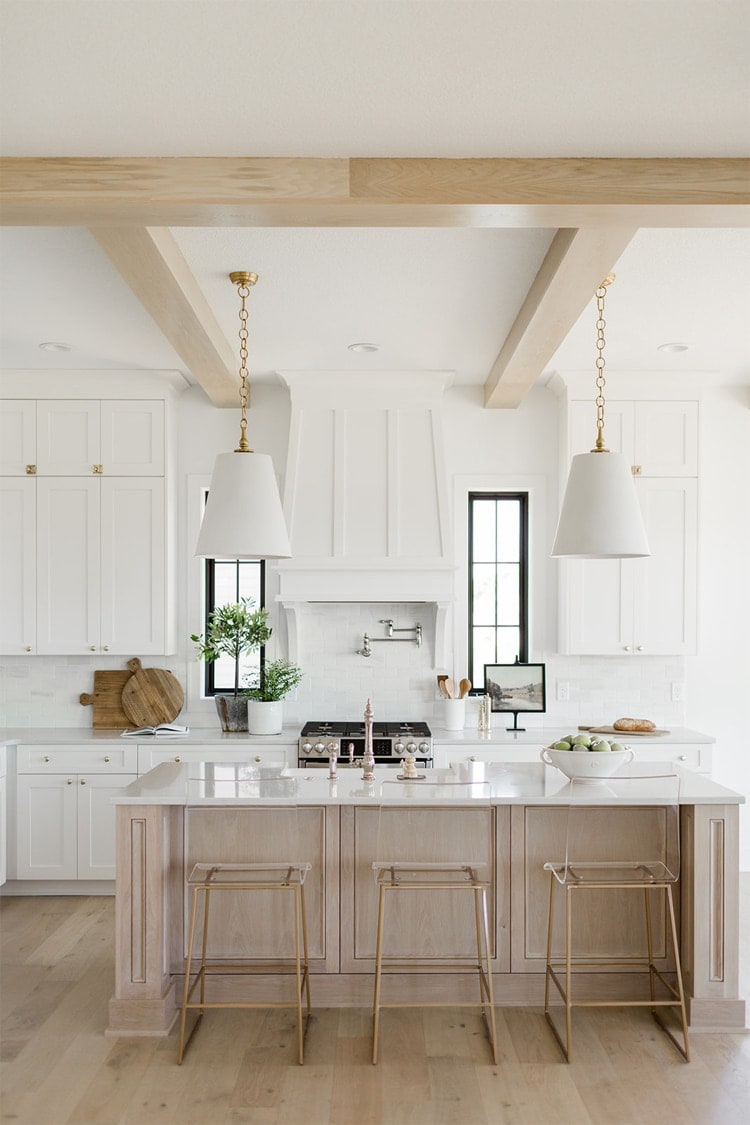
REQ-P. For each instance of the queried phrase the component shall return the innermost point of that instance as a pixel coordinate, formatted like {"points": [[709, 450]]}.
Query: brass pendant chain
{"points": [[243, 280], [601, 324]]}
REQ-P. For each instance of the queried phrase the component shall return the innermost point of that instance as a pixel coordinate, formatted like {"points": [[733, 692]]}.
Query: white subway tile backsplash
{"points": [[399, 678]]}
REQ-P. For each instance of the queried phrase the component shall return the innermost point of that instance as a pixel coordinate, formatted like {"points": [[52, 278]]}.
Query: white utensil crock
{"points": [[454, 713]]}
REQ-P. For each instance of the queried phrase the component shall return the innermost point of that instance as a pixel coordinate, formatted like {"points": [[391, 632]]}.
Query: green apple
{"points": [[581, 742], [617, 746], [600, 746], [562, 745]]}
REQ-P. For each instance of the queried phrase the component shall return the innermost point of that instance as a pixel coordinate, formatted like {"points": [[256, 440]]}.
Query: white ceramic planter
{"points": [[264, 718]]}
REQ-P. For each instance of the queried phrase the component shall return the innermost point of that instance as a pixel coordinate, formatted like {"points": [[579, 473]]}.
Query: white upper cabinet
{"points": [[640, 606], [660, 439], [85, 564], [18, 565], [77, 437], [17, 438]]}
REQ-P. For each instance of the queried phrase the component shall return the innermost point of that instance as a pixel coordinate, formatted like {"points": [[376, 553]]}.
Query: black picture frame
{"points": [[516, 689]]}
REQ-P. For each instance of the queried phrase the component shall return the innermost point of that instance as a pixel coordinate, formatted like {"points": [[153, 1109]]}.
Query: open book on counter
{"points": [[161, 730]]}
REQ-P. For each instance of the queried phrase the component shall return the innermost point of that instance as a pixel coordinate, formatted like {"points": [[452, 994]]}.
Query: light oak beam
{"points": [[239, 191], [152, 264], [574, 265]]}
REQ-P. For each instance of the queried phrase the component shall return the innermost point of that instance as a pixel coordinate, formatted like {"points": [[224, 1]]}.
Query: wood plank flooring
{"points": [[57, 1067]]}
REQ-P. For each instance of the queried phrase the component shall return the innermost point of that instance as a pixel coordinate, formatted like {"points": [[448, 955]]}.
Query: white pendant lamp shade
{"points": [[600, 517], [243, 517]]}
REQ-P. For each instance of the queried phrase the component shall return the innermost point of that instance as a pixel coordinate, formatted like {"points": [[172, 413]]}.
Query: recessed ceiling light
{"points": [[673, 347], [54, 346], [363, 347]]}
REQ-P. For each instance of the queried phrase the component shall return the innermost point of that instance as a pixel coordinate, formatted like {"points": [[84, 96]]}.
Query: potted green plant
{"points": [[266, 688], [233, 630]]}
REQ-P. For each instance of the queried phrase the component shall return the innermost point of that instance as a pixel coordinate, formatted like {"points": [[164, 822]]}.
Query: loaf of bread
{"points": [[634, 724]]}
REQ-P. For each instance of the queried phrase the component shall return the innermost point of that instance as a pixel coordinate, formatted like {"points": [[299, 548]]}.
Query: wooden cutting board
{"points": [[151, 696], [624, 733], [106, 699]]}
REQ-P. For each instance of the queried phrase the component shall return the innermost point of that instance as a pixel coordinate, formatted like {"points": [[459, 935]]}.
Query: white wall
{"points": [[499, 446]]}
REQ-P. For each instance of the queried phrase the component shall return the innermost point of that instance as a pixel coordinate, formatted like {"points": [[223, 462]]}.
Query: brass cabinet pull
{"points": [[97, 470]]}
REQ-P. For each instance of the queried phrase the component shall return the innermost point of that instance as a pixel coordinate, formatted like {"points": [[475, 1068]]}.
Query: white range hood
{"points": [[366, 499]]}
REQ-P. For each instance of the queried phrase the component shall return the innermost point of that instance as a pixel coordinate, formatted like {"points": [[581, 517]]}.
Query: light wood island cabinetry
{"points": [[169, 819]]}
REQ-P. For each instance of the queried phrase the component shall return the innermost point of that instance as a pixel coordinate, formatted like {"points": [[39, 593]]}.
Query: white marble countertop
{"points": [[201, 784], [499, 737], [213, 736]]}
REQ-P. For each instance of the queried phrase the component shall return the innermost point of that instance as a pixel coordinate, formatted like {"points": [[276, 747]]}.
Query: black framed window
{"points": [[226, 581], [498, 580]]}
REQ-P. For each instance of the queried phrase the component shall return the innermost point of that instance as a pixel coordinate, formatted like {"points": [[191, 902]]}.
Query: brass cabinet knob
{"points": [[92, 648], [97, 470], [628, 648], [46, 757], [177, 758], [106, 757], [30, 470], [83, 781], [258, 758], [28, 648], [682, 758], [69, 781], [639, 648], [105, 648]]}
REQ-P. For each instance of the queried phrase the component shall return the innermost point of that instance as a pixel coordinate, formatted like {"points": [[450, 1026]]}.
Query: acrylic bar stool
{"points": [[205, 879], [397, 874], [622, 836]]}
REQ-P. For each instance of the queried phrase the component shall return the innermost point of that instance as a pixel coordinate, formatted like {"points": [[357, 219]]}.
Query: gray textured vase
{"points": [[232, 712]]}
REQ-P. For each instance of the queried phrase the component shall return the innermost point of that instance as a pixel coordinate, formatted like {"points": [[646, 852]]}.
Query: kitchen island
{"points": [[180, 813]]}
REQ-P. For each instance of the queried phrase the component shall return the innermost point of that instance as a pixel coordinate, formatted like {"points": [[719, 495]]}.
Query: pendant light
{"points": [[243, 517], [600, 516]]}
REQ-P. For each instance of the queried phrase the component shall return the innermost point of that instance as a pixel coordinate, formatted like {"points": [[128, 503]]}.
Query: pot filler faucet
{"points": [[368, 641]]}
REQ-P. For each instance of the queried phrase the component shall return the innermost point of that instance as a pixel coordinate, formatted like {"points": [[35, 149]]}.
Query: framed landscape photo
{"points": [[516, 688]]}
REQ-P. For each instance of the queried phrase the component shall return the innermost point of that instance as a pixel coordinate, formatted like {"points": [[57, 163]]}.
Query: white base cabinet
{"points": [[65, 821]]}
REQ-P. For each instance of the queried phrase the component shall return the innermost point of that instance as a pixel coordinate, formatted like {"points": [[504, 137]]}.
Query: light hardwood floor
{"points": [[58, 1067]]}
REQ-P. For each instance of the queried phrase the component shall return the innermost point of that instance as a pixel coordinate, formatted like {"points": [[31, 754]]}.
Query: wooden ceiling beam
{"points": [[568, 278], [289, 191], [152, 264]]}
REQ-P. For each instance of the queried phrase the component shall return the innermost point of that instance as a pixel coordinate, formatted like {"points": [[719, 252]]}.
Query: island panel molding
{"points": [[154, 830]]}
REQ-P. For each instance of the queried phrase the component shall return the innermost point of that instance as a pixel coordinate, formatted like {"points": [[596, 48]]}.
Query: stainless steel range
{"points": [[390, 743]]}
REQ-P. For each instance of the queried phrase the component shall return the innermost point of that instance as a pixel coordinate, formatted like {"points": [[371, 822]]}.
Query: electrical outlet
{"points": [[678, 691], [563, 690]]}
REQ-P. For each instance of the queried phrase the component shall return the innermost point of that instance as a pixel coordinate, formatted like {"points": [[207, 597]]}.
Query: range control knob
{"points": [[319, 748], [333, 747], [398, 747], [424, 747], [307, 747], [411, 747]]}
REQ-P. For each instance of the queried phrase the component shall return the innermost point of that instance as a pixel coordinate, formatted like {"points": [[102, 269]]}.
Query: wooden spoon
{"points": [[450, 688], [464, 687], [441, 686]]}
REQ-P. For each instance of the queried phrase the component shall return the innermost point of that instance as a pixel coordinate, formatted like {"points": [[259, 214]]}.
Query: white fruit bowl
{"points": [[586, 763]]}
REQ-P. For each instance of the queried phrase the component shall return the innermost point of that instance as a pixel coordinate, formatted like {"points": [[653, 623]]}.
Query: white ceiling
{"points": [[450, 78]]}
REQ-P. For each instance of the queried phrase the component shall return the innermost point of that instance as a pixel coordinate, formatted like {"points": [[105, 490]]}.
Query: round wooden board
{"points": [[151, 696]]}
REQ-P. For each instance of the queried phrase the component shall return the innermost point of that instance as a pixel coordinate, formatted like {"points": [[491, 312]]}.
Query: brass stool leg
{"points": [[304, 946], [650, 945], [480, 899], [186, 987], [684, 1051], [568, 971], [298, 974], [378, 971]]}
